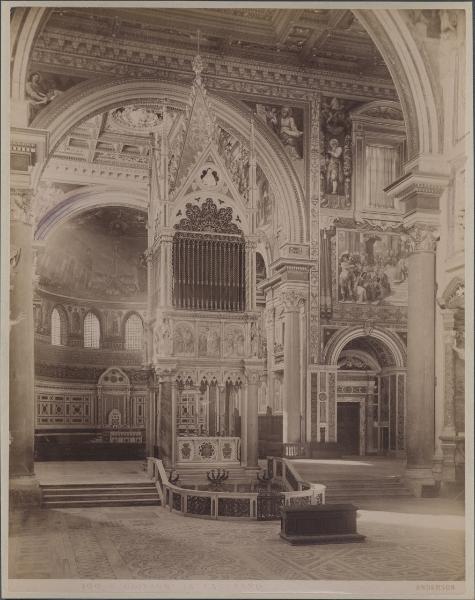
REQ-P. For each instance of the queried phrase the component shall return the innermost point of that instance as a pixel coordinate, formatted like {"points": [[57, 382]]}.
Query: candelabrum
{"points": [[264, 477], [217, 476], [173, 477]]}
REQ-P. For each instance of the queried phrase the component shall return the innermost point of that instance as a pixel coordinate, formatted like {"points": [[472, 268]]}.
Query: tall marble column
{"points": [[419, 192], [291, 413], [27, 154], [167, 416], [420, 412], [249, 434], [22, 368]]}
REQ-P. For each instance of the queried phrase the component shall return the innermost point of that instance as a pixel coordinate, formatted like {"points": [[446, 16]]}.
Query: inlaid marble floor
{"points": [[151, 543]]}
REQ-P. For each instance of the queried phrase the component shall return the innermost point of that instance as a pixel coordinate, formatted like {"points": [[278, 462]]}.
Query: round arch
{"points": [[420, 103], [338, 342], [94, 97], [83, 199], [388, 30]]}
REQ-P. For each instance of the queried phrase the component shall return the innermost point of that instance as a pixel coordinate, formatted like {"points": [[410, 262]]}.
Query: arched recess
{"points": [[93, 97], [86, 198], [338, 342], [423, 113]]}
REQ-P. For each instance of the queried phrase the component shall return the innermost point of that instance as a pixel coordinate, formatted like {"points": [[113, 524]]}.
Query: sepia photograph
{"points": [[236, 342]]}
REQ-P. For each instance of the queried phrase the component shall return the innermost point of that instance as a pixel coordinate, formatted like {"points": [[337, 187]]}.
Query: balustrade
{"points": [[223, 505]]}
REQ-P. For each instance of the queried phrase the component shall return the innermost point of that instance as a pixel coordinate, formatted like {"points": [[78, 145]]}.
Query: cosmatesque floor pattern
{"points": [[152, 543]]}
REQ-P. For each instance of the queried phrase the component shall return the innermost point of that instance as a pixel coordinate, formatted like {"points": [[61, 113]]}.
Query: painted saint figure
{"points": [[289, 133], [334, 174]]}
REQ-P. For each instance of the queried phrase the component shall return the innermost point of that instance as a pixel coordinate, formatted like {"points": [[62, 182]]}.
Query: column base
{"points": [[24, 491], [448, 447], [421, 481]]}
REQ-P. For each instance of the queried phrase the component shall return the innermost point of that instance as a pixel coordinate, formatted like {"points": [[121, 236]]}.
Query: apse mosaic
{"points": [[372, 268], [98, 254]]}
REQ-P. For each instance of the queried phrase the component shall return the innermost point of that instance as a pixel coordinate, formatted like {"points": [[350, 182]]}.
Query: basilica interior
{"points": [[238, 233]]}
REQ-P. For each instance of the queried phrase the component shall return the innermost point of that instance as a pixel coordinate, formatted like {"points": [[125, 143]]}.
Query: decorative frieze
{"points": [[93, 54]]}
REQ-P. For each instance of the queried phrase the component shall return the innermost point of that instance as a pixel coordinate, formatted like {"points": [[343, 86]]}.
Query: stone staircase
{"points": [[83, 495], [352, 490]]}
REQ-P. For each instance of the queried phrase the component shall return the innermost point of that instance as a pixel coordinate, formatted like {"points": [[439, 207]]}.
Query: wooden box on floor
{"points": [[321, 524]]}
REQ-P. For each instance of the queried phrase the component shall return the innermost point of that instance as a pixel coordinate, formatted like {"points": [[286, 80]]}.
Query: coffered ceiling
{"points": [[316, 38]]}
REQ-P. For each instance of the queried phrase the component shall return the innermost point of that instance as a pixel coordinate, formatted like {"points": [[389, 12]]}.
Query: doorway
{"points": [[348, 429]]}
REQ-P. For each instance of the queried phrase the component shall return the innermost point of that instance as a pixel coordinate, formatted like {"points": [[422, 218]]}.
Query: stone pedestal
{"points": [[291, 412]]}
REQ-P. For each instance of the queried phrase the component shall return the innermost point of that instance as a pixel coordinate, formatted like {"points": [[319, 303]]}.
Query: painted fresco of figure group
{"points": [[375, 273]]}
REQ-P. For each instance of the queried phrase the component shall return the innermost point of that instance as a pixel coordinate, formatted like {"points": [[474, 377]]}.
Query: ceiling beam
{"points": [[283, 22], [338, 19]]}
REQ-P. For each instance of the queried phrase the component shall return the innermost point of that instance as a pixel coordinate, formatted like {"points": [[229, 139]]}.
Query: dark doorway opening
{"points": [[348, 431]]}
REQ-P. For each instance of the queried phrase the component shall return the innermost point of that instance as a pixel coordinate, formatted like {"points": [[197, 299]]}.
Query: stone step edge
{"points": [[97, 489], [124, 502], [101, 496], [96, 485]]}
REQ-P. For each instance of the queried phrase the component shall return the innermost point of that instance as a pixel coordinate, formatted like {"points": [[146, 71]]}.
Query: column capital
{"points": [[252, 376], [292, 300], [166, 373], [422, 237], [21, 205]]}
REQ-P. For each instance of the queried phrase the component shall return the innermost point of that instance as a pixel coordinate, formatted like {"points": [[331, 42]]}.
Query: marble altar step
{"points": [[344, 490], [96, 495]]}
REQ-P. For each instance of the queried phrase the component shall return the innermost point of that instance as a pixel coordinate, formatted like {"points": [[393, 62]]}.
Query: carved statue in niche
{"points": [[334, 167], [265, 201], [161, 337], [236, 160], [335, 148], [254, 335]]}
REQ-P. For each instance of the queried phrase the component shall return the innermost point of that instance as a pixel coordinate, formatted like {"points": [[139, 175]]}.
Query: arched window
{"points": [[134, 333], [56, 328], [92, 331]]}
